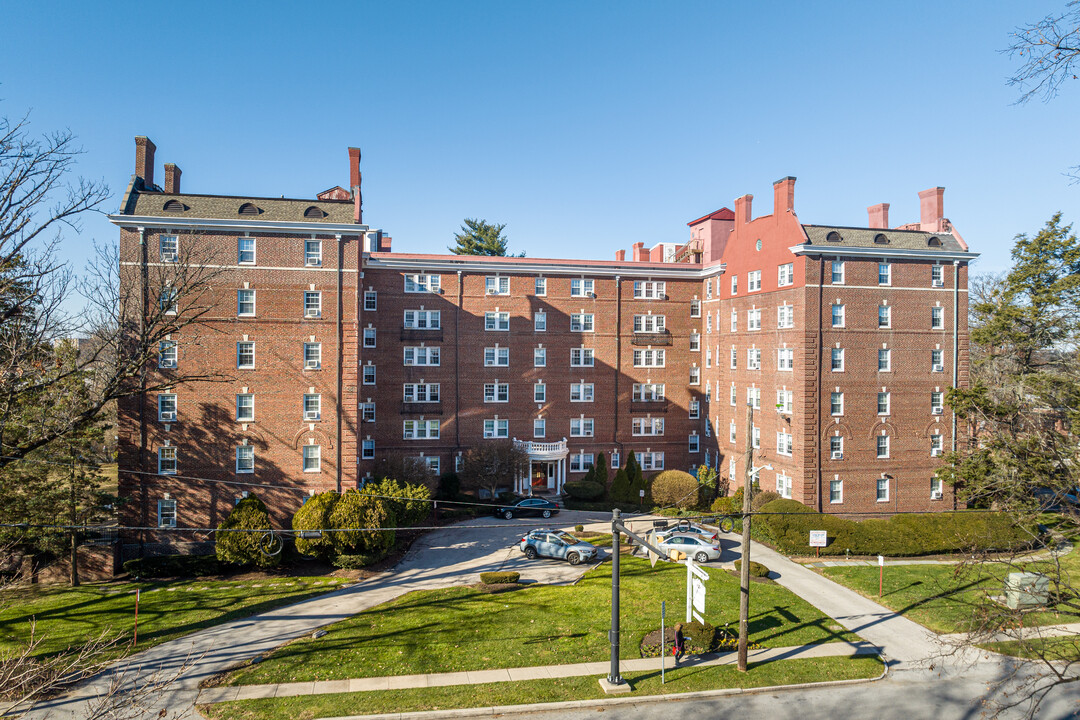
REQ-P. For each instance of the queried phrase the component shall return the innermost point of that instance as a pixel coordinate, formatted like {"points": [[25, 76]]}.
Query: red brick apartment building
{"points": [[333, 352]]}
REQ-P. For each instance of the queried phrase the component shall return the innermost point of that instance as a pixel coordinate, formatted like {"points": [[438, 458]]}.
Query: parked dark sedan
{"points": [[535, 507]]}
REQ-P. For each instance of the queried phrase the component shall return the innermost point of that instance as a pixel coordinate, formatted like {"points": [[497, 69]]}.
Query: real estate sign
{"points": [[818, 538]]}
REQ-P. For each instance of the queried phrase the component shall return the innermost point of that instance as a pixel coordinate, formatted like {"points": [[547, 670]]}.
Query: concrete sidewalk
{"points": [[476, 677], [1027, 633]]}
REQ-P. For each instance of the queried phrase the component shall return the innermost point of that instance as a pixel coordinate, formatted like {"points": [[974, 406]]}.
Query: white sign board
{"points": [[641, 493], [699, 594], [818, 538], [881, 560]]}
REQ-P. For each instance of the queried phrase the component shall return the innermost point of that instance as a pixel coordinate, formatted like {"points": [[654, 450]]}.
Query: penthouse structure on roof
{"points": [[336, 352]]}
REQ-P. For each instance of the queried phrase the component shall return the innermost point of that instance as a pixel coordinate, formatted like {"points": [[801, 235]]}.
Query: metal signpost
{"points": [[881, 573], [663, 639], [818, 540]]}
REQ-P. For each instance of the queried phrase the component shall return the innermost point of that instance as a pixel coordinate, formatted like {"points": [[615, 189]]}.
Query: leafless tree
{"points": [[494, 464]]}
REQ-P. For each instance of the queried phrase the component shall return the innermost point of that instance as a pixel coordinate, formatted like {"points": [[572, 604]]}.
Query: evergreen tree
{"points": [[620, 487], [479, 237], [598, 473]]}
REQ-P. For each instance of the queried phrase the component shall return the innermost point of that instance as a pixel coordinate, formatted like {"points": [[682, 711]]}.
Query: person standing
{"points": [[680, 643]]}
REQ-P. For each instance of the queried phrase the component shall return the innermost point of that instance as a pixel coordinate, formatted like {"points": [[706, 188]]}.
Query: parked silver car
{"points": [[557, 544], [686, 528], [701, 549]]}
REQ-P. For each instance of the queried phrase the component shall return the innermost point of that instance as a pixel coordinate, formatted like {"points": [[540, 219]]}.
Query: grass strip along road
{"points": [[464, 628]]}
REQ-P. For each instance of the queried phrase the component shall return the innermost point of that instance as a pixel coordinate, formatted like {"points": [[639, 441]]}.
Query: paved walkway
{"points": [[1027, 633], [1062, 549], [400, 682]]}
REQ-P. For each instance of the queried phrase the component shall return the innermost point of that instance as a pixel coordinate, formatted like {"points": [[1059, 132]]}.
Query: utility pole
{"points": [[614, 678], [744, 571]]}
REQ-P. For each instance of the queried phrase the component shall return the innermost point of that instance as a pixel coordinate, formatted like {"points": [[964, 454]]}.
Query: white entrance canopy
{"points": [[551, 454]]}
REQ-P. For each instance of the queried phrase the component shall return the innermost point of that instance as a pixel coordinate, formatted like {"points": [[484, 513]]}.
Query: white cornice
{"points": [[455, 263], [300, 228], [882, 252]]}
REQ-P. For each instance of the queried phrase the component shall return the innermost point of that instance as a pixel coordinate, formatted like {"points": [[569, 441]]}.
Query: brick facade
{"points": [[376, 326]]}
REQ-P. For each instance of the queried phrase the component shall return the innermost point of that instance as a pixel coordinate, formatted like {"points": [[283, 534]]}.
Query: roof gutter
{"points": [[583, 267], [263, 225], [807, 249]]}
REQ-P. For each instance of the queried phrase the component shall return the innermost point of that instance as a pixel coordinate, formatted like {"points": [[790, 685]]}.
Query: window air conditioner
{"points": [[312, 313], [935, 495], [311, 415], [592, 295], [939, 283], [935, 452], [168, 416], [311, 365], [937, 411], [837, 454], [491, 291], [939, 368]]}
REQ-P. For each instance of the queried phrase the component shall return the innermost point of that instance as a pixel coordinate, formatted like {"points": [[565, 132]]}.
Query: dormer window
{"points": [[249, 209], [934, 241], [880, 239], [833, 236], [174, 206], [314, 213]]}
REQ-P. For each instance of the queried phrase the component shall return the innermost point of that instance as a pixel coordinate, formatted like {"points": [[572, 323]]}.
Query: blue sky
{"points": [[584, 126]]}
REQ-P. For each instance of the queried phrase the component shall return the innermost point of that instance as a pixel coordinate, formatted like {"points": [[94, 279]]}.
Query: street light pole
{"points": [[613, 635]]}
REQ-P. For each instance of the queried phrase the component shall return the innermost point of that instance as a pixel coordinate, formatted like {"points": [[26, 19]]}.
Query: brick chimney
{"points": [[354, 184], [640, 254], [783, 195], [144, 159], [620, 256], [879, 216], [932, 207], [743, 209], [172, 178]]}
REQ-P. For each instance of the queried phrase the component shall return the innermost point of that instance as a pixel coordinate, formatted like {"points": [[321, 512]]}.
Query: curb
{"points": [[607, 702]]}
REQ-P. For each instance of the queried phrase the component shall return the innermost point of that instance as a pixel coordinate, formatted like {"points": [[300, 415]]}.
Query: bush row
{"points": [[499, 578], [900, 535], [172, 566]]}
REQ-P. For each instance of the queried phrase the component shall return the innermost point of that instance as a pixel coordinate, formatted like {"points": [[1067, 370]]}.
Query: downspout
{"points": [[618, 363], [340, 353], [144, 309], [820, 362], [457, 363], [955, 349]]}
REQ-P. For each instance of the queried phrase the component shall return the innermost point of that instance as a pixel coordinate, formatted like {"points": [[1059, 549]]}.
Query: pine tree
{"points": [[598, 473], [479, 237], [620, 487]]}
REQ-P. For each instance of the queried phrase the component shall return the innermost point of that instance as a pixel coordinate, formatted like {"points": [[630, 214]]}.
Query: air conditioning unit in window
{"points": [[935, 452], [491, 291], [311, 365], [938, 283], [937, 411], [592, 294], [837, 455], [312, 313], [935, 495], [311, 415], [939, 368], [167, 416]]}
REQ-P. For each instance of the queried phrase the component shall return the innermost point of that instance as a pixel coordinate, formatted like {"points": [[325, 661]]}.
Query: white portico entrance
{"points": [[547, 468]]}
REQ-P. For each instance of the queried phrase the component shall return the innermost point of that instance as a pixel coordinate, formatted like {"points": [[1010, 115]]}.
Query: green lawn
{"points": [[466, 629], [167, 610], [946, 599], [681, 680]]}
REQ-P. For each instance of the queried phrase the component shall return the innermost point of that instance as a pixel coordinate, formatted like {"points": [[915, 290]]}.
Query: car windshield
{"points": [[567, 538]]}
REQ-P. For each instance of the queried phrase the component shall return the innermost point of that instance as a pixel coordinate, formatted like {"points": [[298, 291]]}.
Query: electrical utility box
{"points": [[1026, 590]]}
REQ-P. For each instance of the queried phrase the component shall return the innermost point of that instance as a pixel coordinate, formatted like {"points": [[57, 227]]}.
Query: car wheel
{"points": [[573, 559], [530, 552], [546, 514], [701, 557], [508, 515]]}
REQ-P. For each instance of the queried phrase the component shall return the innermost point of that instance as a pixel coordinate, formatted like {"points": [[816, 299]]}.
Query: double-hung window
{"points": [[785, 274], [785, 316], [649, 323], [837, 272], [882, 489], [785, 401], [836, 491], [581, 462], [937, 402], [497, 321], [783, 485], [581, 392], [312, 304], [884, 316], [648, 392], [753, 359], [884, 360], [245, 251], [837, 361], [541, 286], [882, 446], [421, 392], [884, 401], [166, 460], [312, 407], [312, 458], [497, 285], [166, 509], [649, 358], [695, 342], [540, 321], [753, 281], [496, 428], [166, 407], [937, 318], [695, 409], [496, 356], [312, 356], [423, 319], [540, 357], [695, 308], [935, 445], [937, 363], [421, 355], [245, 459], [422, 283], [695, 375], [369, 337], [420, 430], [734, 320], [581, 322], [367, 412], [837, 315], [167, 354], [371, 300], [245, 355], [169, 246], [836, 403], [580, 287], [245, 303], [936, 276], [650, 460], [369, 374], [168, 300], [647, 426], [581, 427], [496, 392], [313, 253], [836, 447], [753, 319], [649, 290], [734, 284], [367, 449], [539, 427], [734, 359], [540, 392], [694, 443], [785, 358], [753, 397], [245, 407], [583, 357], [884, 273]]}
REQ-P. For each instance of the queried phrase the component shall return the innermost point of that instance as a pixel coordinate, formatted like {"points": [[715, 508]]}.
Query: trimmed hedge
{"points": [[584, 490], [900, 535], [675, 487], [172, 566], [700, 637], [244, 548], [756, 569], [357, 510], [499, 578], [355, 562], [315, 515]]}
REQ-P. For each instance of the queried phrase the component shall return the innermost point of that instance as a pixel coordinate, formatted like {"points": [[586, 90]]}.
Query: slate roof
{"points": [[226, 207], [864, 237]]}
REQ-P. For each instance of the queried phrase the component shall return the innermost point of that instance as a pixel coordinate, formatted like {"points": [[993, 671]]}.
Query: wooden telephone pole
{"points": [[744, 571]]}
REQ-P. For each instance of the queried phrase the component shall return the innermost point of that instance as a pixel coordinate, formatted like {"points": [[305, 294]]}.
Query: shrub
{"points": [[620, 487], [244, 548], [584, 490], [756, 569], [761, 499], [315, 515], [701, 636], [637, 480], [675, 487], [579, 528], [355, 562], [408, 503], [499, 578], [900, 535], [725, 506], [172, 566], [449, 486], [599, 471], [359, 510]]}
